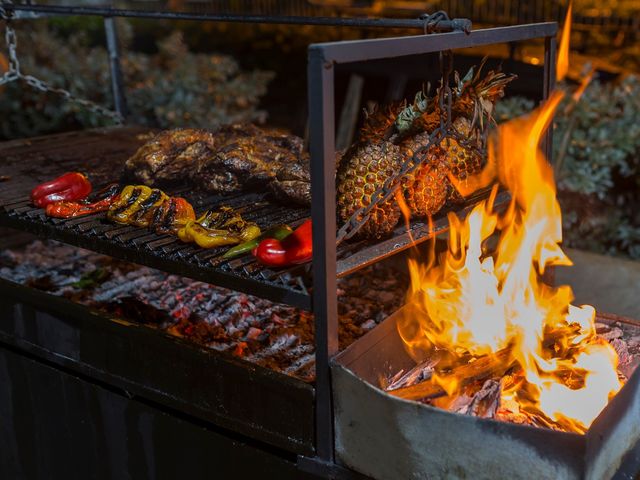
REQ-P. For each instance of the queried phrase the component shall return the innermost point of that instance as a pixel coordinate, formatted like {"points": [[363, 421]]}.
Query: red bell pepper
{"points": [[72, 186], [101, 203], [295, 249]]}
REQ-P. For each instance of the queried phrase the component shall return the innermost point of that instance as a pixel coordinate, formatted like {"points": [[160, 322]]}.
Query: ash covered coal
{"points": [[276, 336]]}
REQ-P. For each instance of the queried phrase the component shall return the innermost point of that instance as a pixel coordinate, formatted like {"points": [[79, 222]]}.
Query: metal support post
{"points": [[323, 214], [117, 82]]}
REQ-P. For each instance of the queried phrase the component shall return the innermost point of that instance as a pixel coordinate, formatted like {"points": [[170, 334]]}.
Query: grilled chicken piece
{"points": [[170, 156]]}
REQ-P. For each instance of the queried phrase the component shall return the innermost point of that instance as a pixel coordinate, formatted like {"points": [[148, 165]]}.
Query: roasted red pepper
{"points": [[293, 250], [69, 187], [102, 202]]}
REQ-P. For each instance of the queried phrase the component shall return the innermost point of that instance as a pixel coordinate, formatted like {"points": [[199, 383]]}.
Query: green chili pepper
{"points": [[279, 232]]}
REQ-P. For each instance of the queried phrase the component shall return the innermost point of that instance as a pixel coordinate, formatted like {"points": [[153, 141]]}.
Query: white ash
{"points": [[417, 374]]}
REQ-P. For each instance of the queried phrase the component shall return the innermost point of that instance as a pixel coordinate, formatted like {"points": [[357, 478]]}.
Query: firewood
{"points": [[484, 367]]}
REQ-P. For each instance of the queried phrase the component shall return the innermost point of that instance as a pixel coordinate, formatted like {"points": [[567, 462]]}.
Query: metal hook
{"points": [[431, 21]]}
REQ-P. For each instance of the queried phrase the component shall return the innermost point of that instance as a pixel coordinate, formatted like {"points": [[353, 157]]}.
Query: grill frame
{"points": [[322, 61]]}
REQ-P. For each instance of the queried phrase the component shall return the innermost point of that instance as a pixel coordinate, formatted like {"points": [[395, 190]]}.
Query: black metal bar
{"points": [[549, 83], [320, 77], [461, 24], [375, 49], [117, 83]]}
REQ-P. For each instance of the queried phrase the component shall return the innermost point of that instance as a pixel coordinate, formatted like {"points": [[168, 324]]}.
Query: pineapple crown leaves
{"points": [[489, 88], [480, 94], [409, 114]]}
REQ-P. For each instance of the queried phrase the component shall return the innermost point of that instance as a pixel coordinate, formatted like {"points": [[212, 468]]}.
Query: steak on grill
{"points": [[170, 156], [234, 158]]}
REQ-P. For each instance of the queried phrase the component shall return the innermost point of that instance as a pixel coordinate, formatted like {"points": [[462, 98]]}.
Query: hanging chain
{"points": [[14, 73], [419, 158]]}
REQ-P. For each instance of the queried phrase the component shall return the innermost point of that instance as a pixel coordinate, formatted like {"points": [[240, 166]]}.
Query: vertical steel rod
{"points": [[320, 77], [117, 82], [549, 83]]}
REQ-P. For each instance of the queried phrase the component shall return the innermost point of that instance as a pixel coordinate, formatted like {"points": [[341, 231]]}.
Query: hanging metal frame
{"points": [[446, 35], [323, 58]]}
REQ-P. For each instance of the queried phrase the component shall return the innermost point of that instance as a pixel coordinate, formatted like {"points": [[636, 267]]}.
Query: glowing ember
{"points": [[482, 301]]}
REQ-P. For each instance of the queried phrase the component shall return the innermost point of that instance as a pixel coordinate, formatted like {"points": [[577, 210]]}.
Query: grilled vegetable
{"points": [[142, 206], [71, 186], [392, 134], [279, 232], [217, 228], [102, 202], [271, 252], [364, 169], [295, 249], [173, 215]]}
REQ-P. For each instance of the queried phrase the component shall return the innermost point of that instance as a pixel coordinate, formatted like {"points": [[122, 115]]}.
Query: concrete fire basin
{"points": [[390, 438]]}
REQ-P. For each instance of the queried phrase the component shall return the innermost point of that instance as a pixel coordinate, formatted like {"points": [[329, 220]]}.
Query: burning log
{"points": [[483, 368]]}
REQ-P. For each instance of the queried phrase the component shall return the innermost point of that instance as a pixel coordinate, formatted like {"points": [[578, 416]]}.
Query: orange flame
{"points": [[583, 86], [477, 301], [563, 51]]}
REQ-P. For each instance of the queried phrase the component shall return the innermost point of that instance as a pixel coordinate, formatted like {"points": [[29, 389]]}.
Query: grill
{"points": [[33, 162], [290, 420], [36, 160]]}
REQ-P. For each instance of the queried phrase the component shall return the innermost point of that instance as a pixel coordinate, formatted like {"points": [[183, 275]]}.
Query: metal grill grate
{"points": [[100, 153]]}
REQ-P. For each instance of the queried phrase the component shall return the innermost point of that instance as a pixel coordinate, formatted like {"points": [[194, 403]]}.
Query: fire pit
{"points": [[388, 437]]}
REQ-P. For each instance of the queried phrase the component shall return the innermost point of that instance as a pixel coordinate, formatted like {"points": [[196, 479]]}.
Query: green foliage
{"points": [[170, 88], [597, 154]]}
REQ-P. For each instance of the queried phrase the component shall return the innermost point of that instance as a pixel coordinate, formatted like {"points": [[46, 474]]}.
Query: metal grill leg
{"points": [[323, 214]]}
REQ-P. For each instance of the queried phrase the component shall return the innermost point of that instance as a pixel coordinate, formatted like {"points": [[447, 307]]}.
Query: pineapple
{"points": [[473, 102], [363, 170], [392, 134], [461, 161], [427, 189]]}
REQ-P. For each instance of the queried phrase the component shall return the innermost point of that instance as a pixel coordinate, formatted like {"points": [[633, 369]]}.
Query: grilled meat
{"points": [[293, 182], [242, 163], [170, 156], [234, 158]]}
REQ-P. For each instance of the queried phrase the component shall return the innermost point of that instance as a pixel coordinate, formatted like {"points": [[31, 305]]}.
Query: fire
{"points": [[563, 51], [481, 298]]}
